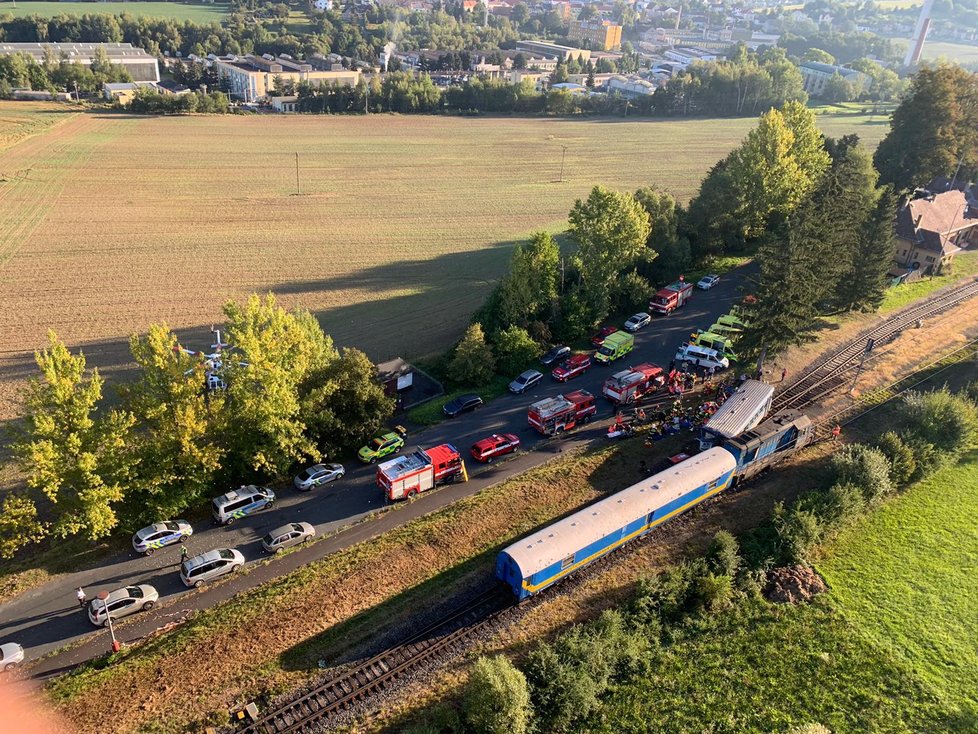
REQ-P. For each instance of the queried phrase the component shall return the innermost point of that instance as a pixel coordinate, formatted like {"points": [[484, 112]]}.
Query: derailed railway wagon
{"points": [[540, 560]]}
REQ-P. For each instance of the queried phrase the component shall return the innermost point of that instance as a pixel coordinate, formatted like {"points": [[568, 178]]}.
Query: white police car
{"points": [[161, 534]]}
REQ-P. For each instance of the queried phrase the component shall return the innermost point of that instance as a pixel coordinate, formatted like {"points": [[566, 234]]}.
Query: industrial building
{"points": [[252, 78], [142, 67], [602, 35]]}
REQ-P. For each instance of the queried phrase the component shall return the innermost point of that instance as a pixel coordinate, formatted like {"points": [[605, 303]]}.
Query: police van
{"points": [[240, 503]]}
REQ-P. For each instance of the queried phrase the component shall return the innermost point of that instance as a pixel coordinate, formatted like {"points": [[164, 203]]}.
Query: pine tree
{"points": [[865, 287]]}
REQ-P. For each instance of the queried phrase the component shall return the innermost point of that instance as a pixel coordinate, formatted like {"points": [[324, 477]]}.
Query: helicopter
{"points": [[213, 361]]}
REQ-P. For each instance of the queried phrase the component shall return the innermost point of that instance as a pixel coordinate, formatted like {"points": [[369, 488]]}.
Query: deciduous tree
{"points": [[497, 698], [79, 460], [514, 349], [473, 362]]}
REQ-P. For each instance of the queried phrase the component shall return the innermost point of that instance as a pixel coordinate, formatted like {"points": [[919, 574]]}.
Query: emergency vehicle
{"points": [[671, 297], [629, 385], [553, 415], [576, 365], [615, 346], [408, 475]]}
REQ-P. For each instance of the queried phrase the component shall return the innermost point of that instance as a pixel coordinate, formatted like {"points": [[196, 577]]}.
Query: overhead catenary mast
{"points": [[919, 36]]}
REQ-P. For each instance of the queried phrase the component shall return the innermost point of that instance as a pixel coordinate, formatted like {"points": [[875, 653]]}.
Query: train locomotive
{"points": [[537, 561]]}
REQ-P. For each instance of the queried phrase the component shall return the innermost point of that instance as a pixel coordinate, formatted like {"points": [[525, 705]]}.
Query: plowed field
{"points": [[400, 227]]}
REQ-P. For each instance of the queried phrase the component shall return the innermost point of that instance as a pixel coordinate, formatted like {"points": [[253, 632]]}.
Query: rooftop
{"points": [[115, 51], [930, 220]]}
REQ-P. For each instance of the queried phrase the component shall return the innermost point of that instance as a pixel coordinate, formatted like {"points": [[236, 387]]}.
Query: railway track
{"points": [[311, 711], [832, 371], [314, 710]]}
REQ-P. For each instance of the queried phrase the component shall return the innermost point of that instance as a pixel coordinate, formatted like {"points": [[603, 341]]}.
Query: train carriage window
{"points": [[567, 562], [713, 484], [649, 518]]}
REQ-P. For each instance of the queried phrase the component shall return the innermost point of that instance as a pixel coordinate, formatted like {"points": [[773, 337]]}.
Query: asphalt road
{"points": [[48, 617]]}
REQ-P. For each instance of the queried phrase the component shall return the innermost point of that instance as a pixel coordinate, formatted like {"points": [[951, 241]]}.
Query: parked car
{"points": [[381, 446], [161, 534], [603, 332], [525, 381], [318, 475], [288, 536], [121, 603], [637, 322], [462, 404], [707, 282], [576, 365], [11, 655], [240, 503], [210, 565], [555, 355], [496, 445]]}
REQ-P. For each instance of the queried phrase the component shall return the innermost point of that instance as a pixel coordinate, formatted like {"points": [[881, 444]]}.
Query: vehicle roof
{"points": [[9, 649], [287, 528], [564, 537], [404, 464], [464, 398], [739, 412], [211, 555], [528, 373], [639, 315], [705, 351], [123, 593], [618, 336], [236, 494]]}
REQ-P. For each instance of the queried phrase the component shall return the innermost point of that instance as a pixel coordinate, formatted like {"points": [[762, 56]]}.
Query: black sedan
{"points": [[555, 355], [462, 404]]}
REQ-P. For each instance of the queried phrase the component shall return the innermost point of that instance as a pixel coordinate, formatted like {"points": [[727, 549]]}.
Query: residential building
{"points": [[169, 86], [252, 78], [599, 34], [142, 67], [552, 49], [686, 55], [287, 103], [538, 78], [931, 229], [816, 75]]}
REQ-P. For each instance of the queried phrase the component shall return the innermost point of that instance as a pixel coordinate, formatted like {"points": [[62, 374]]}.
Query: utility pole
{"points": [[563, 152], [297, 173]]}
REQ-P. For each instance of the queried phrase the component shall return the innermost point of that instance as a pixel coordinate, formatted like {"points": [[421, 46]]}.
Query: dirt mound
{"points": [[793, 585]]}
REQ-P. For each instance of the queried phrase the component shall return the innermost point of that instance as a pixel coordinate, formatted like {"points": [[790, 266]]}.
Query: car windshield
{"points": [[378, 442], [135, 592], [660, 299], [606, 350], [228, 554], [268, 539], [171, 526], [310, 472], [296, 526]]}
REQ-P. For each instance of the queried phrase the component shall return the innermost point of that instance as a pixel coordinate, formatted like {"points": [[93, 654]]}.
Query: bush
{"points": [[798, 532], [865, 467], [723, 555], [497, 698], [714, 592], [903, 465], [439, 719], [971, 391], [515, 349], [561, 691], [946, 421], [843, 503], [472, 363]]}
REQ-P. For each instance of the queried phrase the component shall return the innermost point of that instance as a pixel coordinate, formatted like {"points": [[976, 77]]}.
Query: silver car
{"points": [[525, 381], [288, 536], [161, 534], [210, 565], [11, 655], [316, 475], [121, 603]]}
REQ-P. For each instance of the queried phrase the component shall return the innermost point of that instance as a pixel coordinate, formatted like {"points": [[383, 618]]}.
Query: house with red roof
{"points": [[931, 229]]}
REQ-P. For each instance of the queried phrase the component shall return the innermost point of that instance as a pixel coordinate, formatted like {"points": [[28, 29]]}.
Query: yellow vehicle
{"points": [[732, 322], [716, 342], [615, 346]]}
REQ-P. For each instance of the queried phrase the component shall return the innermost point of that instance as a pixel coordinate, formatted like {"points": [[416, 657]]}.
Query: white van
{"points": [[696, 356], [241, 502]]}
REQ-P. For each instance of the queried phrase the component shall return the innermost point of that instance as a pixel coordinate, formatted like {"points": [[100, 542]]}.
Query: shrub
{"points": [[942, 419], [497, 698], [903, 465], [624, 649], [843, 502], [515, 349], [714, 592], [865, 467], [723, 555], [798, 532], [970, 391], [561, 691], [439, 719], [472, 363]]}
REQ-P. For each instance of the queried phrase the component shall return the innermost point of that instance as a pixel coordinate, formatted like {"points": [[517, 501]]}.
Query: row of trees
{"points": [[563, 685], [94, 466], [149, 102]]}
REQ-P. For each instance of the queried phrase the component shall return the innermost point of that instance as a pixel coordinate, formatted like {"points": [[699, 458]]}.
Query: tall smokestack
{"points": [[919, 35]]}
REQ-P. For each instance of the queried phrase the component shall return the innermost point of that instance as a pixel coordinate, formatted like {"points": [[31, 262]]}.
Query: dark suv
{"points": [[462, 404]]}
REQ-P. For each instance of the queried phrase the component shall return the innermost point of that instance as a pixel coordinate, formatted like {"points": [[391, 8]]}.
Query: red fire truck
{"points": [[553, 415], [629, 385], [406, 476], [671, 297]]}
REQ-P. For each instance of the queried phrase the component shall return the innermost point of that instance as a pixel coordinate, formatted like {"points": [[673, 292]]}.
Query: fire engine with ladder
{"points": [[407, 476], [636, 382]]}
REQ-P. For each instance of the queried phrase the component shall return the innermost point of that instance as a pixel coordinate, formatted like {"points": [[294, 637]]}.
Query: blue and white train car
{"points": [[533, 563], [770, 442]]}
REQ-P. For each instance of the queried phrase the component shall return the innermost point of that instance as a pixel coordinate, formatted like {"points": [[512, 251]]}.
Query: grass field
{"points": [[197, 12], [965, 264], [904, 579], [402, 226], [963, 53]]}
